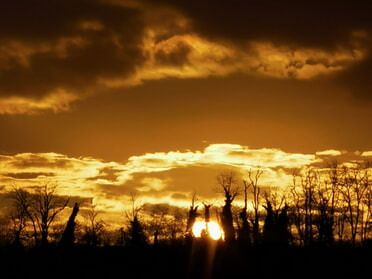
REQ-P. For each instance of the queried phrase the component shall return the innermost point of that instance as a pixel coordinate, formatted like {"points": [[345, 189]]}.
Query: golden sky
{"points": [[108, 97]]}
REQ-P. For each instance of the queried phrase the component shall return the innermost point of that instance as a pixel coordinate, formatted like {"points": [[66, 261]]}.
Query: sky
{"points": [[107, 98]]}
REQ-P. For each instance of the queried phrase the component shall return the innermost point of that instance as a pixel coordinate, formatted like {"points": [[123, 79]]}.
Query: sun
{"points": [[211, 228]]}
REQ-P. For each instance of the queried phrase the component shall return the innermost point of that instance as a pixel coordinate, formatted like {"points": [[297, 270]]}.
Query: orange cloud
{"points": [[57, 101], [191, 56], [167, 177], [330, 152], [165, 43], [367, 154], [17, 52]]}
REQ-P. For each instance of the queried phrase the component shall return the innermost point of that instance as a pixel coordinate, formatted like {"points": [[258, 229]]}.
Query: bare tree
{"points": [[94, 228], [366, 228], [175, 224], [18, 214], [158, 221], [192, 216], [228, 186], [329, 205], [296, 217], [244, 229], [45, 207], [326, 199], [41, 208], [253, 178], [276, 224], [353, 193], [304, 205], [308, 184], [136, 236]]}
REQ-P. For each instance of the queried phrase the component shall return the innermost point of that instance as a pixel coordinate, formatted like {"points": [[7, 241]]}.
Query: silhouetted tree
{"points": [[47, 205], [329, 201], [355, 185], [268, 232], [164, 222], [275, 228], [94, 228], [207, 217], [136, 235], [191, 217], [18, 214], [304, 206], [227, 185], [284, 235], [253, 178], [175, 225], [41, 208], [325, 217], [68, 236], [366, 228], [157, 221], [244, 231]]}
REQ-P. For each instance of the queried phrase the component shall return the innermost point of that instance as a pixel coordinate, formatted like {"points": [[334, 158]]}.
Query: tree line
{"points": [[324, 206]]}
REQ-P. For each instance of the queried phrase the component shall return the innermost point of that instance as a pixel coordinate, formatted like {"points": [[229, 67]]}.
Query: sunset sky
{"points": [[159, 97]]}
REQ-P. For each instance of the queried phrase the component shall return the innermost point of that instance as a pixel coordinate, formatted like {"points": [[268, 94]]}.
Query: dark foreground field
{"points": [[199, 260]]}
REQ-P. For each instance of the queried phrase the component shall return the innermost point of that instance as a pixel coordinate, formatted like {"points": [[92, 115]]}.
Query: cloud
{"points": [[29, 175], [167, 177], [87, 175], [73, 174], [244, 156], [152, 184], [66, 46], [289, 39], [190, 56], [57, 101], [367, 154], [330, 152], [315, 24], [53, 54]]}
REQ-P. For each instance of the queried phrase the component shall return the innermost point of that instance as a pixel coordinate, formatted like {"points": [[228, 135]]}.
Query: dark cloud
{"points": [[107, 173], [28, 175], [176, 57], [114, 192], [39, 20], [46, 45], [305, 23], [327, 25], [49, 45], [34, 160]]}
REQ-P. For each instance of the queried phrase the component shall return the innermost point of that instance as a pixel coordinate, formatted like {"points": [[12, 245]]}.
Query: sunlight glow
{"points": [[211, 228]]}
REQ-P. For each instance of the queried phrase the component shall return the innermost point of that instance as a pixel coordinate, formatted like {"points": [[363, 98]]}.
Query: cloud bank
{"points": [[168, 177], [55, 53]]}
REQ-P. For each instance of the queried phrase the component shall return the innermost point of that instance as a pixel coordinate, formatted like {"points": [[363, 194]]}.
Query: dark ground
{"points": [[199, 260]]}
